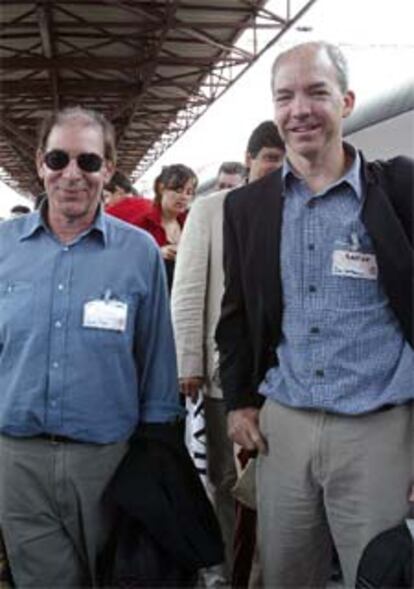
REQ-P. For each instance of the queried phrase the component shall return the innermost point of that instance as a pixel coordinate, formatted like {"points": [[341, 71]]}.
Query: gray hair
{"points": [[91, 117]]}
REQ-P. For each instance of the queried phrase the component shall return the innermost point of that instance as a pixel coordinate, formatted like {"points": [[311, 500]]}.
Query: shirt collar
{"points": [[352, 176], [35, 222], [287, 171], [32, 223], [100, 225]]}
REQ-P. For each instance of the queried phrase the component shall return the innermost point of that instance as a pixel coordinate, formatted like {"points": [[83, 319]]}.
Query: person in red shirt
{"points": [[123, 201], [174, 189]]}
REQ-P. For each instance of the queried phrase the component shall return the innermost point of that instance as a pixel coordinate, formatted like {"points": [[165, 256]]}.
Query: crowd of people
{"points": [[284, 300]]}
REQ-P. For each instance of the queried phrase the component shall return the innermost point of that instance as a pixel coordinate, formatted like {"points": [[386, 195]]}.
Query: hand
{"points": [[169, 252], [190, 387], [243, 428]]}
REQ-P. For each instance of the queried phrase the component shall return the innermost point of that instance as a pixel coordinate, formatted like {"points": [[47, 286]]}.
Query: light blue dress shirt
{"points": [[342, 348], [58, 376]]}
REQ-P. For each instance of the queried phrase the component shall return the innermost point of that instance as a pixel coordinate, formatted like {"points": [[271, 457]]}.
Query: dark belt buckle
{"points": [[55, 439]]}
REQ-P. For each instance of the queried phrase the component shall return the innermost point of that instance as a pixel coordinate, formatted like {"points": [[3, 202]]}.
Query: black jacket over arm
{"points": [[166, 527], [251, 316]]}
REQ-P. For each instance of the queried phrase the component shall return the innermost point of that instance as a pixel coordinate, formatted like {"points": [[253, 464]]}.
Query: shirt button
{"points": [[311, 247], [58, 324], [53, 403], [312, 288], [60, 287], [55, 364], [314, 330], [65, 249], [319, 373]]}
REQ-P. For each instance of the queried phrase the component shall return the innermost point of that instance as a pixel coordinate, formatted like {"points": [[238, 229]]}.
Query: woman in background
{"points": [[174, 189]]}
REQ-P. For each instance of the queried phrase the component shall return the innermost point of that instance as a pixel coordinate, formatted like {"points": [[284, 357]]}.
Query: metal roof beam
{"points": [[44, 64], [26, 154], [201, 36], [17, 141], [30, 27], [69, 88], [106, 30], [150, 4], [17, 53], [18, 20], [139, 10], [130, 106], [44, 21]]}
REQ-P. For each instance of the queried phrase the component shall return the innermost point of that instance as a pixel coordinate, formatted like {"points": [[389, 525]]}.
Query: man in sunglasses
{"points": [[86, 354]]}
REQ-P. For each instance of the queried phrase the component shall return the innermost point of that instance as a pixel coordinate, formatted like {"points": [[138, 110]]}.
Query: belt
{"points": [[386, 407], [56, 439], [381, 409]]}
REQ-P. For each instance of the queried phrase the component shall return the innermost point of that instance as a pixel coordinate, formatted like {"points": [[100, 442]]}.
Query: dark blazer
{"points": [[251, 315]]}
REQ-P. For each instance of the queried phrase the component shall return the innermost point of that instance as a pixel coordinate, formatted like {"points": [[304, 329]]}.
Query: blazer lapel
{"points": [[382, 223], [393, 250], [271, 208]]}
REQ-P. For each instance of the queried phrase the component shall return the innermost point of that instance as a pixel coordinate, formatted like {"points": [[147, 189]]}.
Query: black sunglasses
{"points": [[57, 159]]}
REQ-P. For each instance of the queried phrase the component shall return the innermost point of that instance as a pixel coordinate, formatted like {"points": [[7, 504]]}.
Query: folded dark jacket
{"points": [[158, 491]]}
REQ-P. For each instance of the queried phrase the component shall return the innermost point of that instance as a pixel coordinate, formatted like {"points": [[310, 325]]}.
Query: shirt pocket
{"points": [[353, 293], [16, 310]]}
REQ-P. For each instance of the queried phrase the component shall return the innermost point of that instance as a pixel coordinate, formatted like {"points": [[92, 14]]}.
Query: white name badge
{"points": [[103, 314], [354, 264]]}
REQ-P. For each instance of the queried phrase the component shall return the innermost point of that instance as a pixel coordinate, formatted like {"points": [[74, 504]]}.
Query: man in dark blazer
{"points": [[317, 324]]}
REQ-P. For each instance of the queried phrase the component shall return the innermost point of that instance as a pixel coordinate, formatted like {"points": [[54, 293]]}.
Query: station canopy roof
{"points": [[151, 66]]}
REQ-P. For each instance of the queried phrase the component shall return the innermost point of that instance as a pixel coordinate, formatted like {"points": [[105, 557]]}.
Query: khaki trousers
{"points": [[52, 512], [328, 476], [221, 471]]}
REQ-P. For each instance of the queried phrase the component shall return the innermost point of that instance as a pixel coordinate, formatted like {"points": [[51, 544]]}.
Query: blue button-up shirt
{"points": [[59, 376], [342, 348]]}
